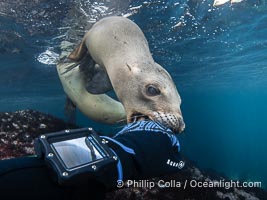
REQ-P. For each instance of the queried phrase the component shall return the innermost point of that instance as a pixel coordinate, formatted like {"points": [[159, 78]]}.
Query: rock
{"points": [[18, 129]]}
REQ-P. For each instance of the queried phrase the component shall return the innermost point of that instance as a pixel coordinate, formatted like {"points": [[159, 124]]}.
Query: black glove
{"points": [[146, 149]]}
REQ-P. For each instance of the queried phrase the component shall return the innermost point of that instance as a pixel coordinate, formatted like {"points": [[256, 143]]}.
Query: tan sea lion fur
{"points": [[100, 108], [146, 90]]}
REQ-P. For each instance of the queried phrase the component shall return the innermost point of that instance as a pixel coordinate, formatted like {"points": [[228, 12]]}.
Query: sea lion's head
{"points": [[147, 91]]}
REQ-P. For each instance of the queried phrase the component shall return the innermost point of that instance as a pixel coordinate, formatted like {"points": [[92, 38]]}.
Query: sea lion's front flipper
{"points": [[100, 82]]}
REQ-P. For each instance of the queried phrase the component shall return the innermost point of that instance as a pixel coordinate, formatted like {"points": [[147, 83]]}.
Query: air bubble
{"points": [[48, 57]]}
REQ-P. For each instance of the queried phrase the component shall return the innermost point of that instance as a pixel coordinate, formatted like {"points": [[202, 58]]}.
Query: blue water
{"points": [[218, 61]]}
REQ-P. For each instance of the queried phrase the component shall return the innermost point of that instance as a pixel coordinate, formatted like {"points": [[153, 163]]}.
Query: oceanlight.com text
{"points": [[188, 183], [221, 184]]}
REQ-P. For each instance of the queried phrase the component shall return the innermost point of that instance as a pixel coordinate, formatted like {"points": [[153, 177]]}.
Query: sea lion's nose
{"points": [[181, 124]]}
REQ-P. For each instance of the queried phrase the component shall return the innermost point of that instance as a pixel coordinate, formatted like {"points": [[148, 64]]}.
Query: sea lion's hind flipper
{"points": [[70, 111], [100, 82], [79, 52], [69, 67], [85, 62], [95, 77]]}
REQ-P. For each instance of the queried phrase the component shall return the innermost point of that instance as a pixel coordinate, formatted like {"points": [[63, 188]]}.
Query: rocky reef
{"points": [[18, 129]]}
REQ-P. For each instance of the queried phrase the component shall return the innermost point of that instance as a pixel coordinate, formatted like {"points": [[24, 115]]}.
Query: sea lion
{"points": [[122, 61]]}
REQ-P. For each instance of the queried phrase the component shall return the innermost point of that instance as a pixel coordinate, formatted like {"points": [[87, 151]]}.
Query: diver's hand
{"points": [[147, 149]]}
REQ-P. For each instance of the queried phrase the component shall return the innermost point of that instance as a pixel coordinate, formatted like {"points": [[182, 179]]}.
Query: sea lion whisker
{"points": [[137, 117], [133, 118], [123, 121]]}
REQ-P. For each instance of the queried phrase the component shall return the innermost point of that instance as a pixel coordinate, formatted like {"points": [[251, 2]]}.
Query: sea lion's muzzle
{"points": [[172, 121]]}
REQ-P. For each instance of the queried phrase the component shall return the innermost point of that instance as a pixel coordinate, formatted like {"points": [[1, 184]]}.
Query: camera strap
{"points": [[125, 148]]}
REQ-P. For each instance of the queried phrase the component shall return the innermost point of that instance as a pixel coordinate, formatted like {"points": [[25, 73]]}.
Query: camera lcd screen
{"points": [[76, 152]]}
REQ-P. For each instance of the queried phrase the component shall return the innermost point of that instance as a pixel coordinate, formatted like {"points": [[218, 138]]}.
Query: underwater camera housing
{"points": [[75, 156]]}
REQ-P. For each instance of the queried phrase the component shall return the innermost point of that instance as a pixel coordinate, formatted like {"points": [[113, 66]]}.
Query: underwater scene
{"points": [[215, 52]]}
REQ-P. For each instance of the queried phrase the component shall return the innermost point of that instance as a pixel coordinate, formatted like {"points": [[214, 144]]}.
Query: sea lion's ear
{"points": [[100, 82], [79, 52]]}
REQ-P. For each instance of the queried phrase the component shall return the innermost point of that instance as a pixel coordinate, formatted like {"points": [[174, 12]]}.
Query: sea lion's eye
{"points": [[151, 90]]}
